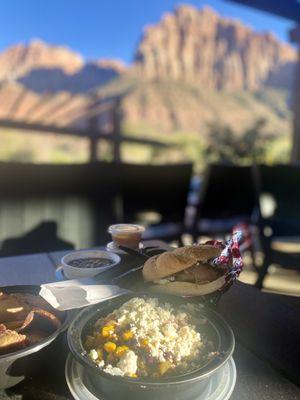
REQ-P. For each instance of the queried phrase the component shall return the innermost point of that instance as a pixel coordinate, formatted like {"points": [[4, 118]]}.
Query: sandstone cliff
{"points": [[18, 60], [45, 68], [200, 47], [190, 45], [90, 76], [192, 69]]}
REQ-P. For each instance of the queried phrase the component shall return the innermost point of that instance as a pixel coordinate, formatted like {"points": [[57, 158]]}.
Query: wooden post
{"points": [[93, 127], [117, 130], [295, 156], [93, 149]]}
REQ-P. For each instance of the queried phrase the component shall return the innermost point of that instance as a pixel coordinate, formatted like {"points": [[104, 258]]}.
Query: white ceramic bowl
{"points": [[77, 272]]}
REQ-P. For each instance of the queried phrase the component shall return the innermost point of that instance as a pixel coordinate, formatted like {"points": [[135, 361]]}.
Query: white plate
{"points": [[220, 387]]}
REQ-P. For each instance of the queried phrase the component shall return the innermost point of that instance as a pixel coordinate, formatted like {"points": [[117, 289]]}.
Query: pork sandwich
{"points": [[185, 271]]}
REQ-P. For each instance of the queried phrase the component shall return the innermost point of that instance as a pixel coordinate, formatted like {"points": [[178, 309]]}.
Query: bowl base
{"points": [[220, 387]]}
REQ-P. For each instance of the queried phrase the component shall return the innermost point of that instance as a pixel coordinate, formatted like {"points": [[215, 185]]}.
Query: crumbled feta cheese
{"points": [[109, 369], [128, 363], [167, 331], [161, 326], [93, 354]]}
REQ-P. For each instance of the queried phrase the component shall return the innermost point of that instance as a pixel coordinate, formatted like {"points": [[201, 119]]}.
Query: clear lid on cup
{"points": [[126, 228]]}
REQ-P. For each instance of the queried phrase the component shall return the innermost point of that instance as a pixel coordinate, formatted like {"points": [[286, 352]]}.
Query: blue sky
{"points": [[98, 28]]}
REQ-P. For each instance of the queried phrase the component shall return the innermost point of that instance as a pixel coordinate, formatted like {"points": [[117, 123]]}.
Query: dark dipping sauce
{"points": [[92, 262]]}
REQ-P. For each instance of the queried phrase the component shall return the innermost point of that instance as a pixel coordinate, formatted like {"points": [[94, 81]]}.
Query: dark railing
{"points": [[86, 116]]}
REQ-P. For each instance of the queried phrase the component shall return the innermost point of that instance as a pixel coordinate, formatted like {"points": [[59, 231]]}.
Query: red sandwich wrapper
{"points": [[231, 261]]}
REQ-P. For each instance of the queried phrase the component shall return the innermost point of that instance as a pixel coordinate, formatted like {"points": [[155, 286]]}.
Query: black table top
{"points": [[266, 327]]}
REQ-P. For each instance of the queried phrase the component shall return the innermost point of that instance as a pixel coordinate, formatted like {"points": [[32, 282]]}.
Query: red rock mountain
{"points": [[191, 45], [90, 76], [199, 46], [191, 70], [45, 68], [18, 60]]}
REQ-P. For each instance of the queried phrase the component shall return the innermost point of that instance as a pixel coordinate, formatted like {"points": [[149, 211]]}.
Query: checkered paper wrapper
{"points": [[230, 260]]}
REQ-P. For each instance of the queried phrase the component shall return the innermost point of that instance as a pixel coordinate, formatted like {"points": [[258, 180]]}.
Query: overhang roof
{"points": [[289, 9]]}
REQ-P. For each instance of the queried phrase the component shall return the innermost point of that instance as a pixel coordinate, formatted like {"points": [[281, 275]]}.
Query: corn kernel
{"points": [[127, 335], [108, 330], [120, 350], [163, 367], [144, 342], [110, 347]]}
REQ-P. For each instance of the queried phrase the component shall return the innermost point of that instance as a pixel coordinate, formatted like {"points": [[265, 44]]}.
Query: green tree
{"points": [[226, 146]]}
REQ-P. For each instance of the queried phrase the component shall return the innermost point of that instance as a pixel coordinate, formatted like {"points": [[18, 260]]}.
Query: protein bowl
{"points": [[157, 382]]}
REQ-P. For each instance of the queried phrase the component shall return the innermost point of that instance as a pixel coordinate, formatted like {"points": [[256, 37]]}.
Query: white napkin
{"points": [[77, 293]]}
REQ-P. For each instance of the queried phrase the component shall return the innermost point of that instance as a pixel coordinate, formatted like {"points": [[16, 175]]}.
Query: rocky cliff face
{"points": [[90, 76], [18, 60], [44, 68], [193, 46], [198, 46], [191, 70]]}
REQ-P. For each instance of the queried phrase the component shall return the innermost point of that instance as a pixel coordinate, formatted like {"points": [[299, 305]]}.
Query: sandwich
{"points": [[185, 271]]}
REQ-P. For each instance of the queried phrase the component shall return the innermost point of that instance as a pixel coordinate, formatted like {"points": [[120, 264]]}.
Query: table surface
{"points": [[266, 327]]}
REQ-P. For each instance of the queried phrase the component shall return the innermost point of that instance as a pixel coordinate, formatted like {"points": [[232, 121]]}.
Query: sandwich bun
{"points": [[165, 264], [189, 288], [172, 262], [200, 252]]}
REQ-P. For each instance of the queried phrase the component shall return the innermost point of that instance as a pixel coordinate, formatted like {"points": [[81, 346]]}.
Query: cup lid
{"points": [[125, 228]]}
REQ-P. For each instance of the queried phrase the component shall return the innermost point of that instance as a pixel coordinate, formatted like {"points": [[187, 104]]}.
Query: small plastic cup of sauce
{"points": [[128, 235]]}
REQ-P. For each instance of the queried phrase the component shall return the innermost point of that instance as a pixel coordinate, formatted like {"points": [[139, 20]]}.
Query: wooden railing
{"points": [[64, 114]]}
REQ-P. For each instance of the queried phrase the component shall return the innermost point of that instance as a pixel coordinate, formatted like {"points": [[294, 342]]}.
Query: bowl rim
{"points": [[43, 343], [104, 254], [192, 376]]}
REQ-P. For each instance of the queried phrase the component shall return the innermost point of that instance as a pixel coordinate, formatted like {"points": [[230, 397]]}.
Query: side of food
{"points": [[91, 262], [25, 319], [144, 338], [11, 340], [185, 271]]}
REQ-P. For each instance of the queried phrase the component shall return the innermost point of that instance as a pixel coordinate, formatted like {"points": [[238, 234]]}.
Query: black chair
{"points": [[157, 195], [227, 198], [279, 232]]}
